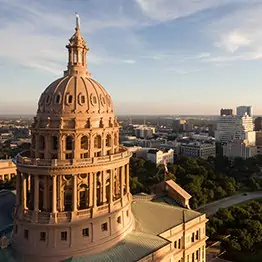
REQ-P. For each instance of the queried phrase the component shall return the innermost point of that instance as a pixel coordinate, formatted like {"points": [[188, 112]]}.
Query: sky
{"points": [[153, 56]]}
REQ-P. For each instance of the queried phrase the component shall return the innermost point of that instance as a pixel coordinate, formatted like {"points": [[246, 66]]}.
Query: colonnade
{"points": [[46, 193]]}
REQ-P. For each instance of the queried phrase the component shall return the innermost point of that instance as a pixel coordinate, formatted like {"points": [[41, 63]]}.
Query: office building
{"points": [[226, 112], [144, 132], [238, 148], [242, 110], [198, 149], [258, 124]]}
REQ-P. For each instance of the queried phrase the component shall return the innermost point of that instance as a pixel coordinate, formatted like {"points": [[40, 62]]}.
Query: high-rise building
{"points": [[144, 132], [73, 201], [231, 127], [226, 112], [258, 124], [242, 110], [226, 127]]}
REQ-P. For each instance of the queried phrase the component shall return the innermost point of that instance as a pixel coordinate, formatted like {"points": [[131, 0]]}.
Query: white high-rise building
{"points": [[245, 130], [231, 127], [242, 110], [226, 127]]}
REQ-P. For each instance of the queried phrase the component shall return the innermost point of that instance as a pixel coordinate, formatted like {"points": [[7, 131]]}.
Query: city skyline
{"points": [[173, 57]]}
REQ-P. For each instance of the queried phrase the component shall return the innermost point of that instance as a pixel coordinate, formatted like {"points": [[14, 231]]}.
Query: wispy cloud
{"points": [[38, 35]]}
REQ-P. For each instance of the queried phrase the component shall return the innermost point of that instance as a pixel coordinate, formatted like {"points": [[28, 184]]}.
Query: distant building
{"points": [[242, 110], [7, 170], [178, 125], [258, 124], [226, 112], [235, 127], [226, 126], [154, 155], [238, 148], [259, 142], [158, 156], [144, 132], [198, 150]]}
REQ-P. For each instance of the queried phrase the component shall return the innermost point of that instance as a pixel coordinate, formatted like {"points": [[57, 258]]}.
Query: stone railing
{"points": [[63, 217], [24, 160], [84, 212], [43, 217], [28, 214]]}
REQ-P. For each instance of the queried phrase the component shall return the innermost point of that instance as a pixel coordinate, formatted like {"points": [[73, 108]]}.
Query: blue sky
{"points": [[152, 56]]}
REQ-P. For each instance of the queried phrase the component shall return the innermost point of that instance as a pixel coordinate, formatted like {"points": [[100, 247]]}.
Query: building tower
{"points": [[73, 186]]}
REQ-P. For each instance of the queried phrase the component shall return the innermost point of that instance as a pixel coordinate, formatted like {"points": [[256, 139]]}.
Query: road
{"points": [[213, 207]]}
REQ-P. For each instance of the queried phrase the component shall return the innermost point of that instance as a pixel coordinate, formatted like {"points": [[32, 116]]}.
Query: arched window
{"points": [[41, 142], [68, 198], [47, 100], [57, 99], [97, 142], [98, 194], [69, 143], [115, 139], [83, 196], [107, 190], [82, 99], [55, 142], [70, 99], [84, 143], [108, 140]]}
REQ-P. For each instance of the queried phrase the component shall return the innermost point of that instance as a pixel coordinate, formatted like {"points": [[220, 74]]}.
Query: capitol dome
{"points": [[73, 195], [75, 94]]}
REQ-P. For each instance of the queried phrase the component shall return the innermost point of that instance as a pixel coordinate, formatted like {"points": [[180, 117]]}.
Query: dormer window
{"points": [[70, 99], [47, 100], [57, 99], [82, 99]]}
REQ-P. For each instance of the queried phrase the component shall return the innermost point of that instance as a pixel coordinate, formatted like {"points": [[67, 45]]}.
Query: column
{"points": [[103, 187], [36, 193], [24, 192], [111, 187], [36, 145], [18, 189], [91, 189], [127, 178], [122, 175], [94, 190], [45, 195], [75, 202], [54, 202]]}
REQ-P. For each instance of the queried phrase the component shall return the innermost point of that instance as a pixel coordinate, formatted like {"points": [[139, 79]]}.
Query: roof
{"points": [[7, 203], [133, 247], [173, 185], [156, 218]]}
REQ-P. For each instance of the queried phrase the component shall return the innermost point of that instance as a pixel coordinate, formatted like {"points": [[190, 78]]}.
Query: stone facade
{"points": [[7, 170]]}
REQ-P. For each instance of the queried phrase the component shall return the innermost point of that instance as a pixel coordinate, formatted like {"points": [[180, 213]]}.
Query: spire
{"points": [[77, 21], [77, 50]]}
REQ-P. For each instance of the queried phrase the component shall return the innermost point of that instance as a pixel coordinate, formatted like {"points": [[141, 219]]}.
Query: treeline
{"points": [[206, 180], [244, 225]]}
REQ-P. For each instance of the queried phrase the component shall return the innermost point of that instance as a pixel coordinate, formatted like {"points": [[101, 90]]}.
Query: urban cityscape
{"points": [[82, 180]]}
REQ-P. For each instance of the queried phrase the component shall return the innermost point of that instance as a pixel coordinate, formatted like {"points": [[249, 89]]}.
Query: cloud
{"points": [[36, 36], [165, 10]]}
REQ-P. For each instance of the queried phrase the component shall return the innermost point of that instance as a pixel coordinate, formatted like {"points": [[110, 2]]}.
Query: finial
{"points": [[77, 21]]}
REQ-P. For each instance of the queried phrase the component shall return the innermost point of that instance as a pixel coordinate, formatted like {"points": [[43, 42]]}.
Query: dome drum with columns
{"points": [[73, 186]]}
